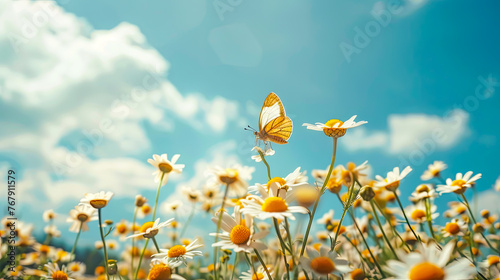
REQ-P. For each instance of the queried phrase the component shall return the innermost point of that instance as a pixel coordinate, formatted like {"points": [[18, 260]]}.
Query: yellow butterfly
{"points": [[274, 125]]}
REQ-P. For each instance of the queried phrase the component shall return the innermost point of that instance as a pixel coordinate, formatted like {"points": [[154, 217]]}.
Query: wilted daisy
{"points": [[97, 200], [82, 214], [165, 167], [272, 204], [430, 263], [433, 170], [460, 184], [178, 254], [323, 262], [335, 128], [53, 272], [238, 234], [235, 177], [393, 179], [454, 228], [150, 229], [260, 274]]}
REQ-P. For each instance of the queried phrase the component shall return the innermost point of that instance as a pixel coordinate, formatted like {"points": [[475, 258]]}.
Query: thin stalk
{"points": [[251, 266], [157, 195], [216, 249], [346, 207], [140, 258], [76, 241], [263, 264], [156, 244], [187, 223], [276, 227], [304, 241], [382, 229], [406, 218], [103, 244], [429, 218], [265, 162], [289, 237], [234, 265], [394, 231], [133, 240]]}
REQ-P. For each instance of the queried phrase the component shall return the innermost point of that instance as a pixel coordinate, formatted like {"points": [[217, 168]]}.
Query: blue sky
{"points": [[207, 74]]}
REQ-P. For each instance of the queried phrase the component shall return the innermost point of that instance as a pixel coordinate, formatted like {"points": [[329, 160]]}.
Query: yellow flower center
{"points": [[44, 249], [392, 186], [146, 226], [281, 182], [459, 183], [426, 271], [75, 268], [351, 166], [82, 217], [210, 267], [274, 204], [99, 270], [452, 228], [59, 275], [435, 172], [239, 234], [334, 132], [121, 228], [460, 209], [322, 265], [422, 188], [229, 177], [146, 209], [306, 196], [418, 214], [98, 203], [165, 167], [176, 251], [492, 260], [357, 274], [160, 272], [257, 276]]}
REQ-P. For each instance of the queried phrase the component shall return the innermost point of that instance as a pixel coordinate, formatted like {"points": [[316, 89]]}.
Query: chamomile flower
{"points": [[191, 194], [393, 179], [121, 229], [49, 215], [430, 263], [165, 167], [144, 211], [53, 272], [327, 218], [272, 204], [238, 234], [150, 229], [294, 179], [178, 254], [81, 215], [417, 212], [433, 170], [460, 184], [454, 228], [97, 200], [172, 206], [161, 270], [235, 177], [423, 192], [52, 230], [268, 152], [260, 274], [76, 268], [456, 208], [323, 262], [335, 128]]}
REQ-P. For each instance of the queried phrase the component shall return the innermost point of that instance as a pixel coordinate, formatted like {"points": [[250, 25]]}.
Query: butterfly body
{"points": [[274, 125]]}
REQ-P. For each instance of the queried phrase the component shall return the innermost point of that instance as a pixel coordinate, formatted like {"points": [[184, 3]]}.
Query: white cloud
{"points": [[410, 132], [487, 200]]}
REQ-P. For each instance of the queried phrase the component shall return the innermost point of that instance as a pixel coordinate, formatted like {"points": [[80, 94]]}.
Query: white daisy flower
{"points": [[161, 270], [496, 187], [294, 179], [97, 200], [235, 177], [238, 234], [454, 228], [76, 268], [431, 263], [393, 179], [460, 184], [144, 211], [417, 212], [323, 262], [178, 254], [433, 170], [191, 194], [49, 215], [335, 128], [172, 206], [268, 152], [327, 218], [53, 272], [165, 167], [260, 274], [150, 229], [52, 230], [82, 214], [423, 192], [272, 204]]}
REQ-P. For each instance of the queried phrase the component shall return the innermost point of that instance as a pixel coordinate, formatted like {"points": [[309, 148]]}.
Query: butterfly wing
{"points": [[279, 129], [272, 109]]}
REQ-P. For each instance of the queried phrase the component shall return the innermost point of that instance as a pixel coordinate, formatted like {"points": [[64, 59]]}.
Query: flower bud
{"points": [[367, 193], [140, 200]]}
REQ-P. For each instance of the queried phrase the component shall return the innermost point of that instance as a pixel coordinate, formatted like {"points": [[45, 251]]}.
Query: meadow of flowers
{"points": [[264, 230]]}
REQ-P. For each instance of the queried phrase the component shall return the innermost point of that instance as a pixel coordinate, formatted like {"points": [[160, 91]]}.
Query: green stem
{"points": [[103, 244], [429, 218], [382, 229], [276, 227], [265, 162], [304, 241], [290, 244], [234, 265], [76, 241], [216, 249], [263, 264], [394, 231], [140, 258], [187, 223], [346, 207], [158, 195], [133, 241], [156, 244], [406, 218], [251, 266]]}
